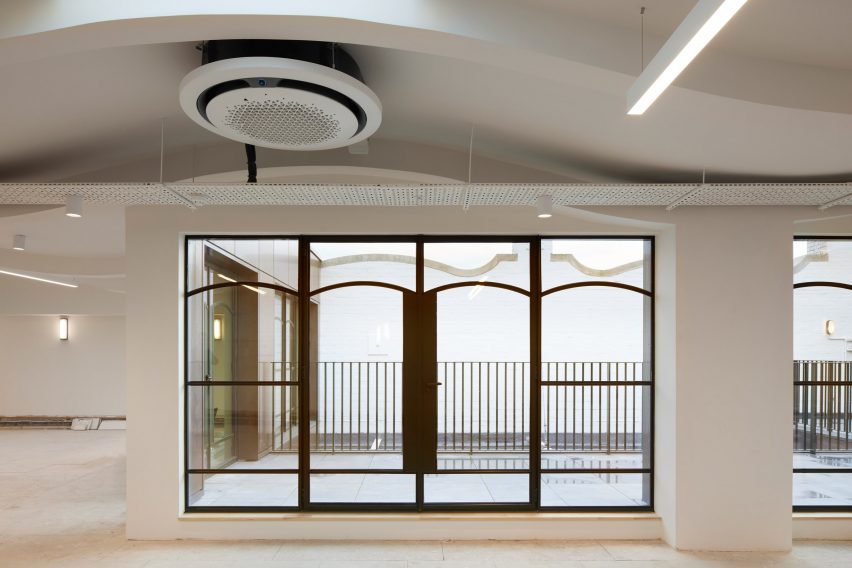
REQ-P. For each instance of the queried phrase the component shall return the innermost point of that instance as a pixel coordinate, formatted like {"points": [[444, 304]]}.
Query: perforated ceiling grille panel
{"points": [[766, 194], [432, 195], [282, 122], [93, 193]]}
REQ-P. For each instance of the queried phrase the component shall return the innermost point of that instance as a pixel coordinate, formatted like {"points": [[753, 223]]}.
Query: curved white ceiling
{"points": [[543, 81]]}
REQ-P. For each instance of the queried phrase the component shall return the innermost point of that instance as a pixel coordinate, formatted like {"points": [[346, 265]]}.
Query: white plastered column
{"points": [[724, 393]]}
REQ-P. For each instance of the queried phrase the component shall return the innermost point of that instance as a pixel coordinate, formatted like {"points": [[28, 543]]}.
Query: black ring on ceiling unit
{"points": [[325, 53], [209, 94]]}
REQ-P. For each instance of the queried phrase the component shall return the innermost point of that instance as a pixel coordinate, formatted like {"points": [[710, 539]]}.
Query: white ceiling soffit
{"points": [[401, 195]]}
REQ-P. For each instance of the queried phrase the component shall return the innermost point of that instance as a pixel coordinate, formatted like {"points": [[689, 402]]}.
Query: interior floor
{"points": [[62, 503]]}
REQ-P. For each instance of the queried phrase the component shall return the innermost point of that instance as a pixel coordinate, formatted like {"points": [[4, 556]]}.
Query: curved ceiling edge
{"points": [[558, 49]]}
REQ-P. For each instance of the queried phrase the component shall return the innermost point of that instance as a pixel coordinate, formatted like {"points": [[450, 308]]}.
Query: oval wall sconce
{"points": [[829, 327]]}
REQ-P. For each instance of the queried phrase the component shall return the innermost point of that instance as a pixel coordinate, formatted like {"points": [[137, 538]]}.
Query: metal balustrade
{"points": [[822, 405], [482, 407]]}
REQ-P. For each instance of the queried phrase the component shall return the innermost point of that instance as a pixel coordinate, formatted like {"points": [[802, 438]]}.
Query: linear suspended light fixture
{"points": [[28, 277], [252, 288], [700, 26]]}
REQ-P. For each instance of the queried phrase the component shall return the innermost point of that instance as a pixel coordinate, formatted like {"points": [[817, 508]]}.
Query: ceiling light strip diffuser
{"points": [[252, 288], [28, 277], [700, 26]]}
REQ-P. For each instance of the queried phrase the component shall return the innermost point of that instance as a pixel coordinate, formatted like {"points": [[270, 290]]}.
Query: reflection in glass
{"points": [[593, 490], [476, 488], [362, 488], [244, 490], [243, 427], [822, 489]]}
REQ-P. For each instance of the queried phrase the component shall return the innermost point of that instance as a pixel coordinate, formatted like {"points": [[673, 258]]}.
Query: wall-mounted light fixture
{"points": [[19, 242], [63, 328], [544, 206], [218, 328], [829, 327], [74, 206]]}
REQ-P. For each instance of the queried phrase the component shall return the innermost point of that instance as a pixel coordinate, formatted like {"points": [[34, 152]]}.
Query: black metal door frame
{"points": [[421, 458]]}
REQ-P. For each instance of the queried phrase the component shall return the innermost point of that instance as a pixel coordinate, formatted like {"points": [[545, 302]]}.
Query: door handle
{"points": [[434, 384]]}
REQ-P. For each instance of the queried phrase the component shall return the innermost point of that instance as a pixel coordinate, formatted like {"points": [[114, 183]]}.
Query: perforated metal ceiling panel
{"points": [[459, 195]]}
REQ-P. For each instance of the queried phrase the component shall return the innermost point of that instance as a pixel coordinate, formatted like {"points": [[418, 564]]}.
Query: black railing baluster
{"points": [[333, 403], [384, 405], [514, 409], [505, 406], [462, 408], [360, 391], [393, 402]]}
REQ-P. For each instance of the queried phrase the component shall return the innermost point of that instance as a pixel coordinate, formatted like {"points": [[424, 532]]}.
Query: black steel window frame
{"points": [[798, 383], [535, 293]]}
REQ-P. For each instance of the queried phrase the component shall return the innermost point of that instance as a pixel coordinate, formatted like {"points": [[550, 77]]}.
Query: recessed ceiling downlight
{"points": [[312, 100]]}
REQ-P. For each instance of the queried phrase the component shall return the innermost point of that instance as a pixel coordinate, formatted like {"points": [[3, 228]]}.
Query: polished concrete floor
{"points": [[62, 504]]}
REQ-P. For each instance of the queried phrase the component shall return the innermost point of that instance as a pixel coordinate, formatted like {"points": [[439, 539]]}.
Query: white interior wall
{"points": [[723, 453], [44, 376]]}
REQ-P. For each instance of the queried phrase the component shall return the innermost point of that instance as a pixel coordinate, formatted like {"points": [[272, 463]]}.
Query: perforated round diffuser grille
{"points": [[282, 117], [316, 110]]}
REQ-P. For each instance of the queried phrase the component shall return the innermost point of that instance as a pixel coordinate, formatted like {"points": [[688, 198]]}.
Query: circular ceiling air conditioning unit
{"points": [[289, 95]]}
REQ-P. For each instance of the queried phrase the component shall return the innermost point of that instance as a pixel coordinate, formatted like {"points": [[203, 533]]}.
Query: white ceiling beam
{"points": [[700, 26]]}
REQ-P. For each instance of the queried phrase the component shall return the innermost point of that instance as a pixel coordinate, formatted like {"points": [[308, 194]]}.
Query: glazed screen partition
{"points": [[419, 373]]}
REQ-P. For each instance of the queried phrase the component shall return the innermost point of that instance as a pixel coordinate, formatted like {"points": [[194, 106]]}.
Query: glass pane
{"points": [[356, 379], [822, 489], [243, 427], [593, 333], [447, 263], [812, 309], [244, 490], [483, 368], [274, 261], [362, 488], [593, 427], [564, 261], [476, 488], [828, 260], [594, 490], [236, 334], [333, 263], [822, 417]]}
